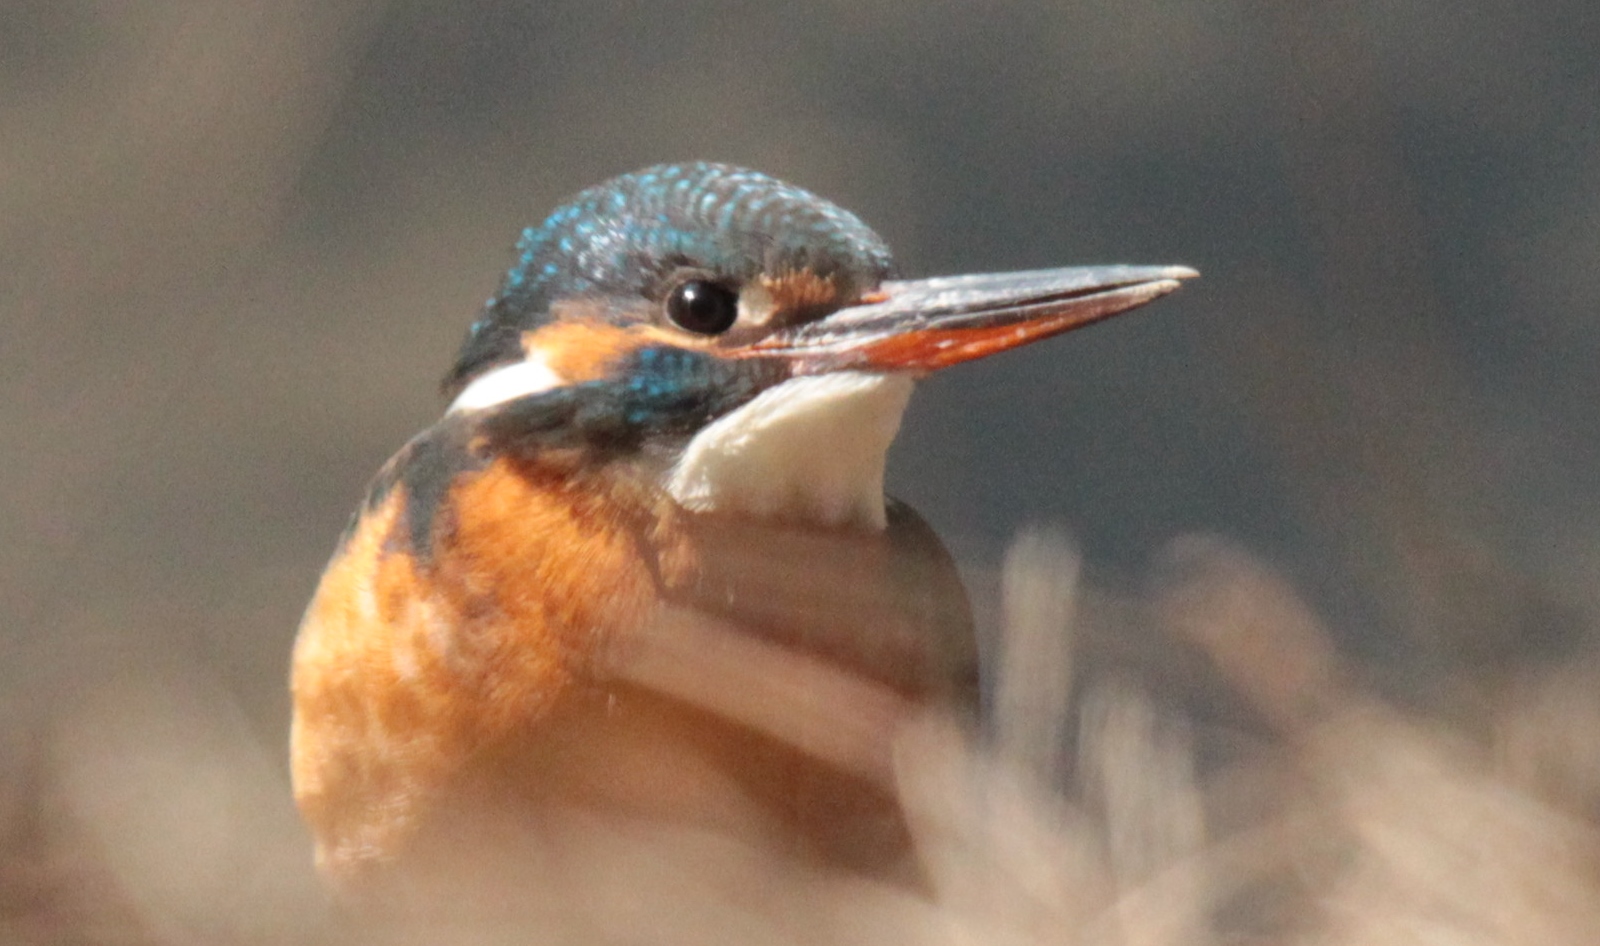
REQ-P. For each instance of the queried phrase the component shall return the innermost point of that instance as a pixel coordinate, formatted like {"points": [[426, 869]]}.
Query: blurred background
{"points": [[240, 241]]}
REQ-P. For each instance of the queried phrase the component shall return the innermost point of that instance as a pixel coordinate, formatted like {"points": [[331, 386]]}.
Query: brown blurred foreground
{"points": [[153, 814]]}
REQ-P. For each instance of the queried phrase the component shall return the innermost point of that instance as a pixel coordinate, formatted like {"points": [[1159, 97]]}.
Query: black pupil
{"points": [[705, 307]]}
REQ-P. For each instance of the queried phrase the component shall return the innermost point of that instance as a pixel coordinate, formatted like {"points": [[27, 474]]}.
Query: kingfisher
{"points": [[643, 566]]}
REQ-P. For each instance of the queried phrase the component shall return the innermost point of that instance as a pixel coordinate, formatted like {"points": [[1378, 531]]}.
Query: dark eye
{"points": [[702, 306]]}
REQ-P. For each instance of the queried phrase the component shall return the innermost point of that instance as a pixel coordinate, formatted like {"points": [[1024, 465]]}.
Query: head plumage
{"points": [[627, 236]]}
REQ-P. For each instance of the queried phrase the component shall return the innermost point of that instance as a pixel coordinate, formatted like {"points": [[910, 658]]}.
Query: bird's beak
{"points": [[926, 324]]}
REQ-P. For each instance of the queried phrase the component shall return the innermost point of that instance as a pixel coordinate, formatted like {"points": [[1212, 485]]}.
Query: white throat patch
{"points": [[811, 449]]}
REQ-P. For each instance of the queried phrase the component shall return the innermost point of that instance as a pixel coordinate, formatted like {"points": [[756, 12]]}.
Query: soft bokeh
{"points": [[239, 241]]}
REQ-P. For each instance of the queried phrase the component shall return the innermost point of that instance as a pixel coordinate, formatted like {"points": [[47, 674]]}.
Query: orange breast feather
{"points": [[572, 646], [409, 669]]}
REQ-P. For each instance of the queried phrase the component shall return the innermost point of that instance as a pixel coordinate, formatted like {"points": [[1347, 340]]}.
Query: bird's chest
{"points": [[752, 685], [576, 645], [582, 574]]}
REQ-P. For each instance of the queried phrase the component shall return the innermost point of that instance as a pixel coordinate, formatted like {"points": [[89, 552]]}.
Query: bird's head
{"points": [[741, 340]]}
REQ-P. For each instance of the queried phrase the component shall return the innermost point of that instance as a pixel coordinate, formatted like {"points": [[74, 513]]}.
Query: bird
{"points": [[644, 566]]}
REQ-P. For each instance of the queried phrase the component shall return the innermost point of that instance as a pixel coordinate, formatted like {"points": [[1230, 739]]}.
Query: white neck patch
{"points": [[811, 449], [532, 375]]}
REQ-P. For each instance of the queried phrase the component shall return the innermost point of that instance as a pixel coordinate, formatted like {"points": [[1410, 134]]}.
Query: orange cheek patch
{"points": [[579, 349]]}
